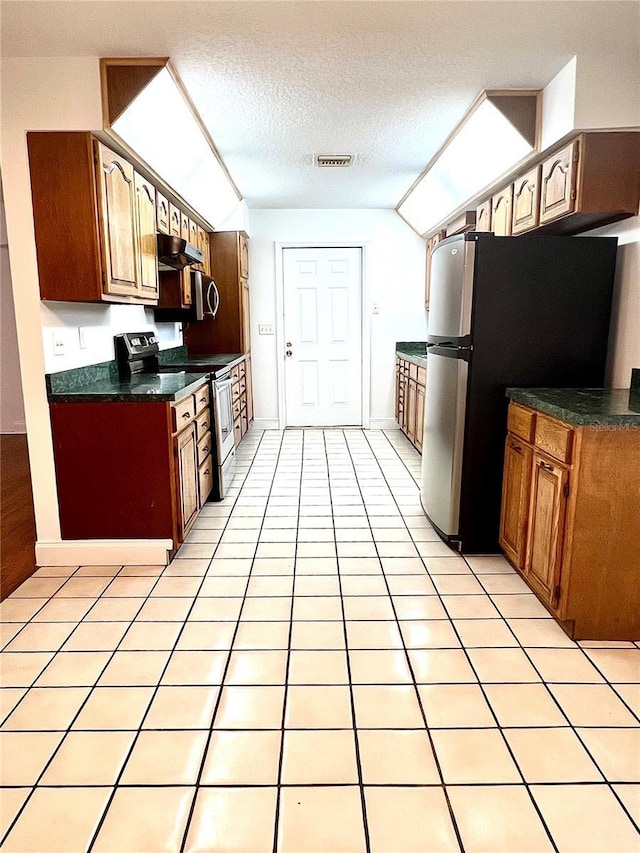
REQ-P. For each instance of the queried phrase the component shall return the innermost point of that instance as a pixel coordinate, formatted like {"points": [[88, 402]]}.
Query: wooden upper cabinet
{"points": [[184, 226], [244, 255], [175, 221], [193, 232], [229, 331], [162, 214], [203, 245], [147, 244], [526, 202], [483, 216], [558, 183], [117, 203], [501, 204]]}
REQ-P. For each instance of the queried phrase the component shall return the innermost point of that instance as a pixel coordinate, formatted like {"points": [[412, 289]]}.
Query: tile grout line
{"points": [[196, 787], [276, 821], [363, 803], [442, 786], [115, 786], [490, 706], [545, 683]]}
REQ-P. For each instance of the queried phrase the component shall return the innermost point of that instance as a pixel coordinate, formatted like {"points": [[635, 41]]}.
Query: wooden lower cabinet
{"points": [[187, 468], [546, 527], [242, 398], [132, 470], [410, 388], [515, 500], [569, 522]]}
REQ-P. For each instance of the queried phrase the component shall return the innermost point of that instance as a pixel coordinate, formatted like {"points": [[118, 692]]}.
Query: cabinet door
{"points": [[501, 212], [399, 391], [526, 202], [249, 382], [162, 214], [203, 245], [184, 226], [146, 221], [117, 218], [243, 254], [411, 402], [546, 527], [419, 416], [188, 486], [193, 232], [483, 216], [175, 222], [516, 492], [558, 183]]}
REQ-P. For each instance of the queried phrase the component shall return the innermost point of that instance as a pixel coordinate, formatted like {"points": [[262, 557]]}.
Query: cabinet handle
{"points": [[203, 399], [206, 449], [206, 472], [546, 466], [516, 447], [186, 416]]}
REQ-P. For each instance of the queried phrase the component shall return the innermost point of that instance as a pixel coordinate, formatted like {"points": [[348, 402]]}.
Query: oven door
{"points": [[223, 418]]}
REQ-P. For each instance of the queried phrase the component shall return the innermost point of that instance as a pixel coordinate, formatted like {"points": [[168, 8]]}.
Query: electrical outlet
{"points": [[375, 308], [82, 337], [59, 343], [266, 329]]}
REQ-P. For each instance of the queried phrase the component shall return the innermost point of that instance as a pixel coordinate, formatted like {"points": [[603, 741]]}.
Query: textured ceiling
{"points": [[277, 82]]}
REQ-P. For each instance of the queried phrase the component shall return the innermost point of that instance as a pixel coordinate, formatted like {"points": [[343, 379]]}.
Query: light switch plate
{"points": [[266, 329]]}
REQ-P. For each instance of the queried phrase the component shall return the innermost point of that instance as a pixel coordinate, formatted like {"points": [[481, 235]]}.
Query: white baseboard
{"points": [[383, 423], [266, 423], [103, 552]]}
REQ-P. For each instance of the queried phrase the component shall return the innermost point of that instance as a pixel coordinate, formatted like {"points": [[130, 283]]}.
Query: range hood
{"points": [[176, 254]]}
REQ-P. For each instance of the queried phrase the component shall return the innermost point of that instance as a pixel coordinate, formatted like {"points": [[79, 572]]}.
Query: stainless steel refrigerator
{"points": [[530, 311]]}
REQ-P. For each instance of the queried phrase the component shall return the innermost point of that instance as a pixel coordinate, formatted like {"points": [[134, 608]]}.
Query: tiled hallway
{"points": [[315, 671]]}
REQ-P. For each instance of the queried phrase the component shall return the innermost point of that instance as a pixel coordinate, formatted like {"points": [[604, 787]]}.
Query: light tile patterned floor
{"points": [[315, 671]]}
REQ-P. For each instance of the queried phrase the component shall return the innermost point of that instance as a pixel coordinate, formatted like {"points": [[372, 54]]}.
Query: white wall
{"points": [[11, 405], [393, 277]]}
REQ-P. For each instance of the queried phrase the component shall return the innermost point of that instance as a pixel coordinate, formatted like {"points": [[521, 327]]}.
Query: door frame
{"points": [[365, 323]]}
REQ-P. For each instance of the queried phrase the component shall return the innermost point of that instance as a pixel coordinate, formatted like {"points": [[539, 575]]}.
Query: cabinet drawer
{"points": [[236, 408], [204, 447], [242, 369], [521, 421], [235, 392], [205, 479], [422, 376], [235, 373], [554, 437], [183, 413], [203, 424], [201, 398], [413, 371]]}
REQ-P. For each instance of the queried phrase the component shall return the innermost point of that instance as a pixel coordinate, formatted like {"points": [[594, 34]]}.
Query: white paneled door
{"points": [[323, 336]]}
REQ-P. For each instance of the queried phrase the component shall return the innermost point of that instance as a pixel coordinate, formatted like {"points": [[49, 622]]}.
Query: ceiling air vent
{"points": [[333, 161]]}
